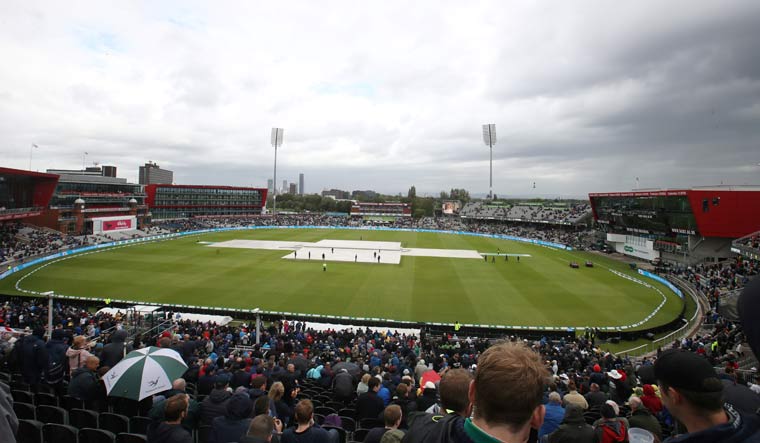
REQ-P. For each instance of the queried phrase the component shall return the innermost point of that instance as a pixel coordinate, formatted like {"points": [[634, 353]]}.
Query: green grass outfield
{"points": [[541, 290]]}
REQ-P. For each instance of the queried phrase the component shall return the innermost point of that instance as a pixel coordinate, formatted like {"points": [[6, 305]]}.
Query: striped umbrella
{"points": [[144, 372]]}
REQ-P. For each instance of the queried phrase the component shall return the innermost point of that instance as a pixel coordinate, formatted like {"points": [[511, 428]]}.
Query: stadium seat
{"points": [[44, 398], [83, 418], [90, 435], [24, 410], [335, 405], [360, 434], [68, 403], [341, 432], [6, 378], [52, 414], [319, 418], [17, 385], [115, 423], [125, 406], [347, 412], [139, 425], [22, 396], [58, 433], [29, 431], [349, 424], [324, 410], [131, 438]]}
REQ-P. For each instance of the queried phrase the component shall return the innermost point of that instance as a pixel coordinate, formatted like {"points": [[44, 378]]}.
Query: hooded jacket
{"points": [[77, 358], [215, 405], [343, 384], [83, 384], [642, 418], [739, 428], [113, 352], [573, 428], [234, 424], [426, 428], [611, 431]]}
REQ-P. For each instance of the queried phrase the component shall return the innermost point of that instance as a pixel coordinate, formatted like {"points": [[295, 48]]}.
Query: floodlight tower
{"points": [[489, 137], [276, 142]]}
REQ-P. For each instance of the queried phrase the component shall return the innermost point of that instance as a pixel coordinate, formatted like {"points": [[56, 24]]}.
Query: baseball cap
{"points": [[685, 370], [430, 385]]}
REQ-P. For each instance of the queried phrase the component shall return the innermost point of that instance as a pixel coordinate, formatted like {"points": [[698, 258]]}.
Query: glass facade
{"points": [[658, 216], [181, 202], [96, 194]]}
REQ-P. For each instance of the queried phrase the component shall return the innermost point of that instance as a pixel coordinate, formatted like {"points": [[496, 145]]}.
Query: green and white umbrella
{"points": [[144, 372]]}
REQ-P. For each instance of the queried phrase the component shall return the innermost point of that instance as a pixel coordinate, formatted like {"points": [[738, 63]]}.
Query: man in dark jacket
{"points": [[595, 397], [113, 352], [343, 386], [693, 394], [84, 381], [215, 405], [573, 428], [33, 358], [58, 363], [429, 397], [369, 405], [258, 387], [169, 430], [455, 407], [234, 424], [642, 418]]}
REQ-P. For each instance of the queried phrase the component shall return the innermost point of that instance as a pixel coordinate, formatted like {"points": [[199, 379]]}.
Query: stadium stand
{"points": [[297, 355]]}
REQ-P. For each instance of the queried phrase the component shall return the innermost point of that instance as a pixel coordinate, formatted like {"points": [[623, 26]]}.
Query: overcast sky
{"points": [[586, 96]]}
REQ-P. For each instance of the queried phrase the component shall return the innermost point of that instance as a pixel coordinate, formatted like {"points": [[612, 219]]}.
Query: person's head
{"points": [[259, 382], [453, 389], [365, 378], [688, 384], [239, 406], [392, 416], [175, 408], [607, 411], [261, 427], [92, 363], [291, 368], [79, 342], [303, 412], [402, 390], [373, 384], [555, 398], [635, 403], [277, 390], [261, 405], [179, 384], [519, 407], [594, 387], [571, 386]]}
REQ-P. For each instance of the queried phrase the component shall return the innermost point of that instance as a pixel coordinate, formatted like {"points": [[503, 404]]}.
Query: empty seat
{"points": [[29, 431], [139, 425], [115, 423], [52, 414], [22, 396], [58, 433], [131, 438], [90, 435], [68, 403], [44, 398], [83, 418], [349, 424], [360, 434], [324, 410], [24, 410]]}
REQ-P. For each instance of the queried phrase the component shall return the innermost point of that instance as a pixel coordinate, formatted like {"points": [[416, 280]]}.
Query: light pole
{"points": [[489, 137], [31, 149], [276, 142], [84, 159]]}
